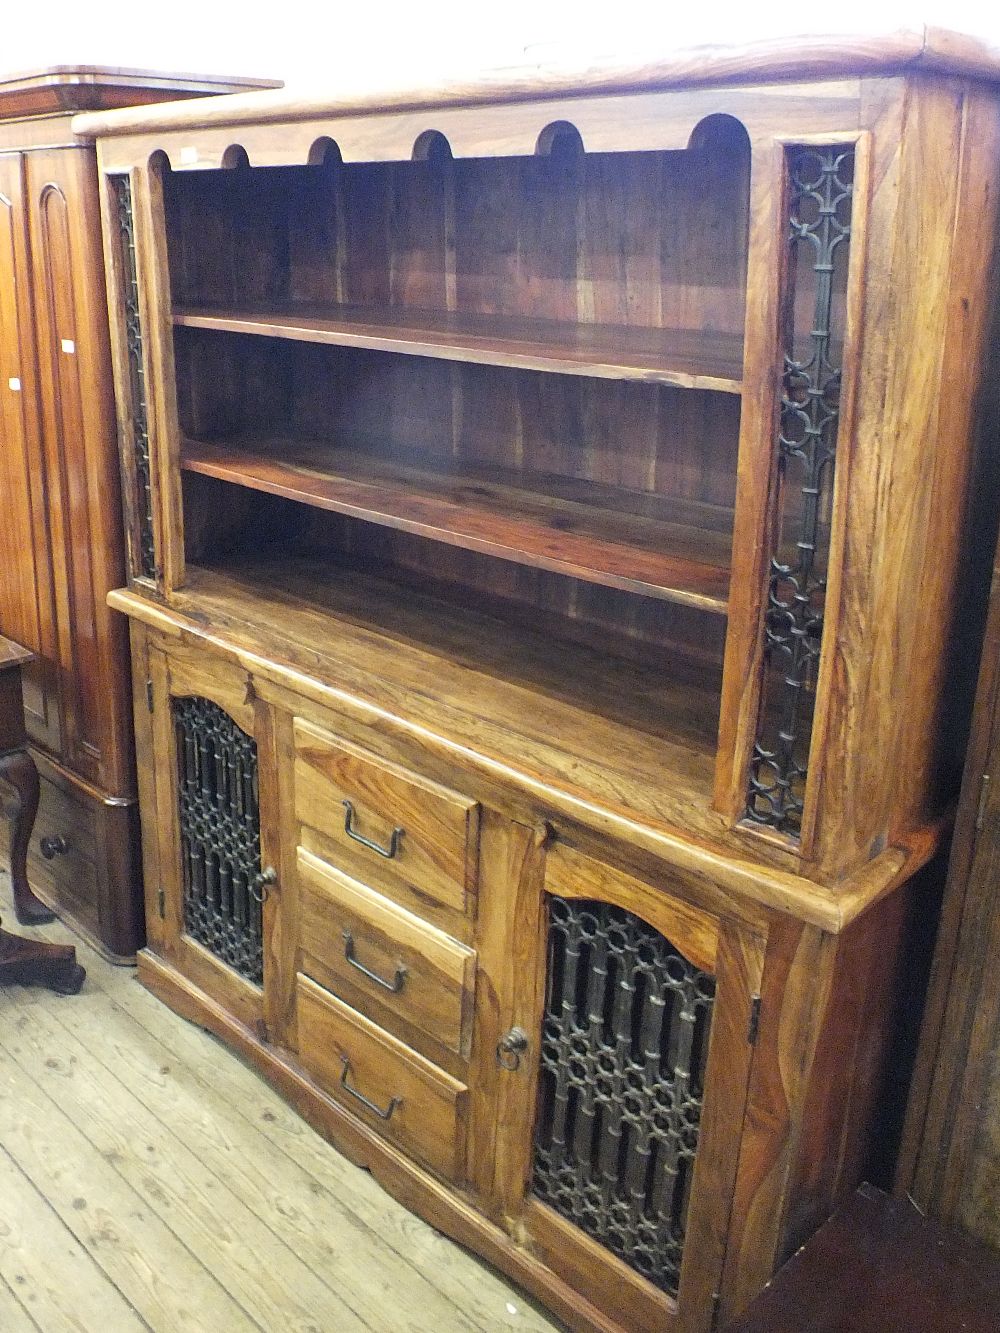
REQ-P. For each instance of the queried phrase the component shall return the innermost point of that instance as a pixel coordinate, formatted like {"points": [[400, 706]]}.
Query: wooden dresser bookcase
{"points": [[541, 742], [61, 548]]}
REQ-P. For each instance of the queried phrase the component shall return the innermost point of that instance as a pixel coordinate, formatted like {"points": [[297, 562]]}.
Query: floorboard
{"points": [[14, 1318], [150, 1180], [45, 1267]]}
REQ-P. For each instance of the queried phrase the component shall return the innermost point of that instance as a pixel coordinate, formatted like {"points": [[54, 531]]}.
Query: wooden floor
{"points": [[149, 1180]]}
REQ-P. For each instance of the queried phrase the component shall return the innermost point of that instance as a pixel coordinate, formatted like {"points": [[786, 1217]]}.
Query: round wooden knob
{"points": [[54, 846]]}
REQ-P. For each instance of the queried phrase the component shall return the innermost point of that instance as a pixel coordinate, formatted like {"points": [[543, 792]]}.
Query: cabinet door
{"points": [[207, 915], [78, 432], [624, 1089], [27, 607]]}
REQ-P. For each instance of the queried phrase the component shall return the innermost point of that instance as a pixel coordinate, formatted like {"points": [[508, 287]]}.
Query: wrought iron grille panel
{"points": [[220, 835], [623, 1055], [143, 497], [821, 189]]}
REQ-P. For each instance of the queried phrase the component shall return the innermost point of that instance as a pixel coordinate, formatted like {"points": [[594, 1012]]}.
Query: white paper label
{"points": [[188, 156], [68, 346], [14, 385]]}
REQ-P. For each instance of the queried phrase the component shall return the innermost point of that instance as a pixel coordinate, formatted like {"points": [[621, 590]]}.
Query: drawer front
{"points": [[399, 827], [386, 954], [65, 872], [386, 1084]]}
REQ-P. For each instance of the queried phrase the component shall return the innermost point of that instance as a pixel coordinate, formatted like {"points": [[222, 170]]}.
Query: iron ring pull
{"points": [[393, 987], [510, 1048], [394, 841], [258, 886], [394, 1102]]}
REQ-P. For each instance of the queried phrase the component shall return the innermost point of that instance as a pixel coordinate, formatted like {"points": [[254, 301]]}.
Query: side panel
{"points": [[820, 1100]]}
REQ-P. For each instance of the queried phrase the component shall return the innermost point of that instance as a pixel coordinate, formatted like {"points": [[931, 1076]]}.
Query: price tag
{"points": [[68, 346], [14, 385]]}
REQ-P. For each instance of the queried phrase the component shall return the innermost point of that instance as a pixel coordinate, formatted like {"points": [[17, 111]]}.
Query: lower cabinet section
{"points": [[614, 1083], [389, 1085]]}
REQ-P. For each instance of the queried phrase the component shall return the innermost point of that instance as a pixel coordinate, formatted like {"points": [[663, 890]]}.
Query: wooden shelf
{"points": [[564, 714], [689, 359], [674, 551]]}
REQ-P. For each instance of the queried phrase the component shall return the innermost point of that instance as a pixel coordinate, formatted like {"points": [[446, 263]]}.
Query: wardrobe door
{"points": [[26, 587], [79, 441]]}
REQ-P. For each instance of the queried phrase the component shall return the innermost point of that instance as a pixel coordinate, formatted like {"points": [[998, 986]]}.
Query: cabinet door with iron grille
{"points": [[624, 1090], [211, 909]]}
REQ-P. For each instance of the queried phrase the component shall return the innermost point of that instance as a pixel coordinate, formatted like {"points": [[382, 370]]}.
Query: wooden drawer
{"points": [[385, 1083], [420, 973], [67, 877], [424, 835]]}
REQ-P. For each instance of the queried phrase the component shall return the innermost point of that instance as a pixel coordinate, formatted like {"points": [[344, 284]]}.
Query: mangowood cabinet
{"points": [[61, 548], [552, 504]]}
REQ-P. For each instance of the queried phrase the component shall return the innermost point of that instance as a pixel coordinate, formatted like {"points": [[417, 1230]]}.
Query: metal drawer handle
{"points": [[53, 847], [394, 1102], [393, 987], [388, 852], [260, 883]]}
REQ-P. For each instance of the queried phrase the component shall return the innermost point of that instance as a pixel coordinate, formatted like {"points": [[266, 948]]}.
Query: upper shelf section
{"points": [[690, 359], [628, 267]]}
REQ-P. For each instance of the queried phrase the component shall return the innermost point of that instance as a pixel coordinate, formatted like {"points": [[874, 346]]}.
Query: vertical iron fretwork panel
{"points": [[821, 190], [220, 835], [142, 499], [623, 1055]]}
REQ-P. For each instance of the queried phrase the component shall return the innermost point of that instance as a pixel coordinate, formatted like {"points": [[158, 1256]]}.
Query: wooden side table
{"points": [[25, 961]]}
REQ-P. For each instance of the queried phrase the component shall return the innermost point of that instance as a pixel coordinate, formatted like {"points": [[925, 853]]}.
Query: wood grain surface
{"points": [[437, 852], [691, 359], [434, 974], [877, 51], [419, 1106], [503, 516]]}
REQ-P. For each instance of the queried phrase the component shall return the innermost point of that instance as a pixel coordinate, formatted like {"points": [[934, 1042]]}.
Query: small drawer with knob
{"points": [[62, 854], [386, 1084], [392, 827], [383, 958]]}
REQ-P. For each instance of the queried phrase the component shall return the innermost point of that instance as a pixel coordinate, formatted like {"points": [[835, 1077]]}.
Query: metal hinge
{"points": [[753, 1028], [984, 791], [161, 902], [149, 694]]}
